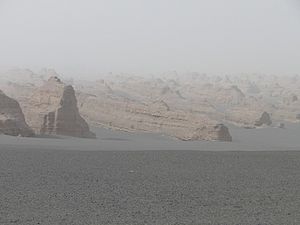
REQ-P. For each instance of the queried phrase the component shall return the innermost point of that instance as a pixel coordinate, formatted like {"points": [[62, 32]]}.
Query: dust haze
{"points": [[145, 37]]}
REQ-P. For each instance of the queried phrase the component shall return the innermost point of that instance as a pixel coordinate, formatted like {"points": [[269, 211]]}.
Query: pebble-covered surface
{"points": [[149, 187]]}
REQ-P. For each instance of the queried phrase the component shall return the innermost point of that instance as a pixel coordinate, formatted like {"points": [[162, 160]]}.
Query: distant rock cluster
{"points": [[190, 106], [48, 115]]}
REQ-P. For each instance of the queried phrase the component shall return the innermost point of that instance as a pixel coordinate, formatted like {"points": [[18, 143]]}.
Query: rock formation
{"points": [[12, 121], [174, 104], [265, 119], [218, 132], [221, 133], [281, 125], [66, 120], [294, 98], [42, 100]]}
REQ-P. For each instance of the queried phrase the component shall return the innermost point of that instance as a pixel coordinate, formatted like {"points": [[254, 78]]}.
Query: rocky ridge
{"points": [[179, 105]]}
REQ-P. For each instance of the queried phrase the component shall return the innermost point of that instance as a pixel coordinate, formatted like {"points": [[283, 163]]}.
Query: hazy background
{"points": [[149, 36]]}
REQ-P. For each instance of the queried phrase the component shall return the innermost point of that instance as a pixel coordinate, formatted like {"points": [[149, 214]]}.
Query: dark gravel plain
{"points": [[149, 187]]}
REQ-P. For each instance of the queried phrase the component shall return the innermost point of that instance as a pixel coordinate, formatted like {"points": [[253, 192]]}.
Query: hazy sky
{"points": [[148, 36]]}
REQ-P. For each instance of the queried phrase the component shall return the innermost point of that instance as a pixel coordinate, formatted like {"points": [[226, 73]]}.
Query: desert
{"points": [[138, 112]]}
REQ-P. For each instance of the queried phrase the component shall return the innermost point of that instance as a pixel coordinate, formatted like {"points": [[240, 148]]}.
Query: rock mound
{"points": [[12, 121], [281, 125], [265, 119], [294, 98], [218, 132], [66, 120]]}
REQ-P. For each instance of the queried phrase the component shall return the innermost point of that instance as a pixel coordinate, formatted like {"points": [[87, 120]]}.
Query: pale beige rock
{"points": [[174, 104], [42, 100], [45, 100]]}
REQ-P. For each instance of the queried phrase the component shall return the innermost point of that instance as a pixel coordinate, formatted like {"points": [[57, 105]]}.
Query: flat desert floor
{"points": [[264, 139], [77, 183]]}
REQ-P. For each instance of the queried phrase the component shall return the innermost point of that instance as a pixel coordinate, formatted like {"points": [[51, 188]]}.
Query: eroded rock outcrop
{"points": [[178, 105], [218, 132], [265, 119], [281, 125], [42, 100], [66, 120], [12, 121]]}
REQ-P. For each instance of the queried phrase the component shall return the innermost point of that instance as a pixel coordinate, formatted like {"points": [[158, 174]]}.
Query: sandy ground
{"points": [[149, 187], [117, 180]]}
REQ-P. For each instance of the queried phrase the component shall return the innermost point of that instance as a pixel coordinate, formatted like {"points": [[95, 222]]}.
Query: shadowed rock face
{"points": [[12, 121], [265, 119], [66, 120]]}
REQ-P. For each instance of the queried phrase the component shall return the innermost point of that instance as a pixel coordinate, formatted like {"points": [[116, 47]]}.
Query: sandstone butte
{"points": [[66, 120]]}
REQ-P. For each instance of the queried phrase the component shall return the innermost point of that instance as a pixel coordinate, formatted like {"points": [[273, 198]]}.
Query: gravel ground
{"points": [[149, 187]]}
